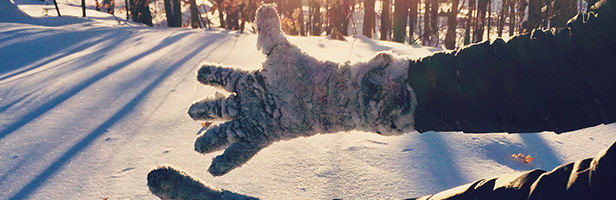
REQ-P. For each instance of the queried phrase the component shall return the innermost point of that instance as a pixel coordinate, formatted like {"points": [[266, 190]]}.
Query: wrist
{"points": [[385, 102]]}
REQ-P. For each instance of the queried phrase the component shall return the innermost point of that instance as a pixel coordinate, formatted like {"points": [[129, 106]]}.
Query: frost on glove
{"points": [[296, 95], [168, 183]]}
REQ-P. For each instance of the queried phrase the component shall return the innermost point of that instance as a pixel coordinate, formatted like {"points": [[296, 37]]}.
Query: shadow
{"points": [[23, 160], [545, 157], [12, 14], [501, 153], [66, 43], [37, 182], [533, 144], [50, 104], [431, 155], [373, 45]]}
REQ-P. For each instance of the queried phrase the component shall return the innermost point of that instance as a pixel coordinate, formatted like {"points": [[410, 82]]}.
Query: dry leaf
{"points": [[205, 124], [522, 157]]}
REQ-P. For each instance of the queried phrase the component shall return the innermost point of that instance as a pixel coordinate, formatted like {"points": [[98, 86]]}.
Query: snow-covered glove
{"points": [[297, 95]]}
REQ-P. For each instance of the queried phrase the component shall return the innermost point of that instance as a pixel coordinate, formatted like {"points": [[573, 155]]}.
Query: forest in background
{"points": [[438, 23]]}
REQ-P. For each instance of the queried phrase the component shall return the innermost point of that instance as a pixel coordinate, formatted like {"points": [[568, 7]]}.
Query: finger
{"points": [[234, 156], [169, 183], [218, 108], [220, 76], [218, 137]]}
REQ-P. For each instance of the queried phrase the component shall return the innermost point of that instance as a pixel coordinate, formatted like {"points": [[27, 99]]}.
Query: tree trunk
{"points": [[195, 20], [482, 6], [452, 24], [173, 12], [512, 20], [400, 17], [347, 10], [58, 10], [412, 19], [126, 4], [469, 21], [502, 17], [385, 20], [315, 12], [434, 22], [369, 21], [426, 34], [83, 8], [489, 18], [140, 12], [300, 21]]}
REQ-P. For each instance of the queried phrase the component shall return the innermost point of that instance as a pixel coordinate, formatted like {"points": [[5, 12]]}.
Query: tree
{"points": [[315, 17], [248, 12], [490, 18], [57, 9], [369, 19], [412, 18], [83, 8], [452, 25], [427, 12], [173, 10], [434, 22], [127, 9], [512, 20], [219, 5], [469, 21], [140, 11], [502, 17], [482, 6], [385, 20], [195, 15], [400, 17]]}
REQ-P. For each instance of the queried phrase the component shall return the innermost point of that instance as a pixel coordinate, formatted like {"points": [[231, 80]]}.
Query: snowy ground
{"points": [[89, 106]]}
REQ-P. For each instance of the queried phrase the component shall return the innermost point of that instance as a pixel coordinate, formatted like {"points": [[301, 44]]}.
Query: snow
{"points": [[88, 106]]}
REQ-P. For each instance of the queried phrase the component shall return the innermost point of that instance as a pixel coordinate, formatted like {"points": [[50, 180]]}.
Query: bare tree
{"points": [[452, 25], [173, 10], [482, 6], [127, 9], [369, 20], [512, 18], [502, 17], [469, 21], [140, 11], [385, 20], [434, 22], [83, 8], [195, 15], [58, 10], [412, 18], [490, 18], [315, 17], [400, 17], [426, 34]]}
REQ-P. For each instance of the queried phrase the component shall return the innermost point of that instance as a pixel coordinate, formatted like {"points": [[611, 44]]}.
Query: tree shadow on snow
{"points": [[53, 102], [533, 144], [49, 172], [431, 161]]}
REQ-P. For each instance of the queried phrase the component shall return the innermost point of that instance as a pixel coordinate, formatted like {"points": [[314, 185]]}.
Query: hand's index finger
{"points": [[220, 76]]}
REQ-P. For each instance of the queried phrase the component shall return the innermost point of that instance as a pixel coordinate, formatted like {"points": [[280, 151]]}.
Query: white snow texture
{"points": [[89, 106]]}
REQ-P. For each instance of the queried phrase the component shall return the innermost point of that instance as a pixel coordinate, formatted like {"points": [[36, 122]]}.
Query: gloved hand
{"points": [[297, 95]]}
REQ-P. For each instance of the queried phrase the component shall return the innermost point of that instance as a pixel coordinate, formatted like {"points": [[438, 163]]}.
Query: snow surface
{"points": [[88, 106]]}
